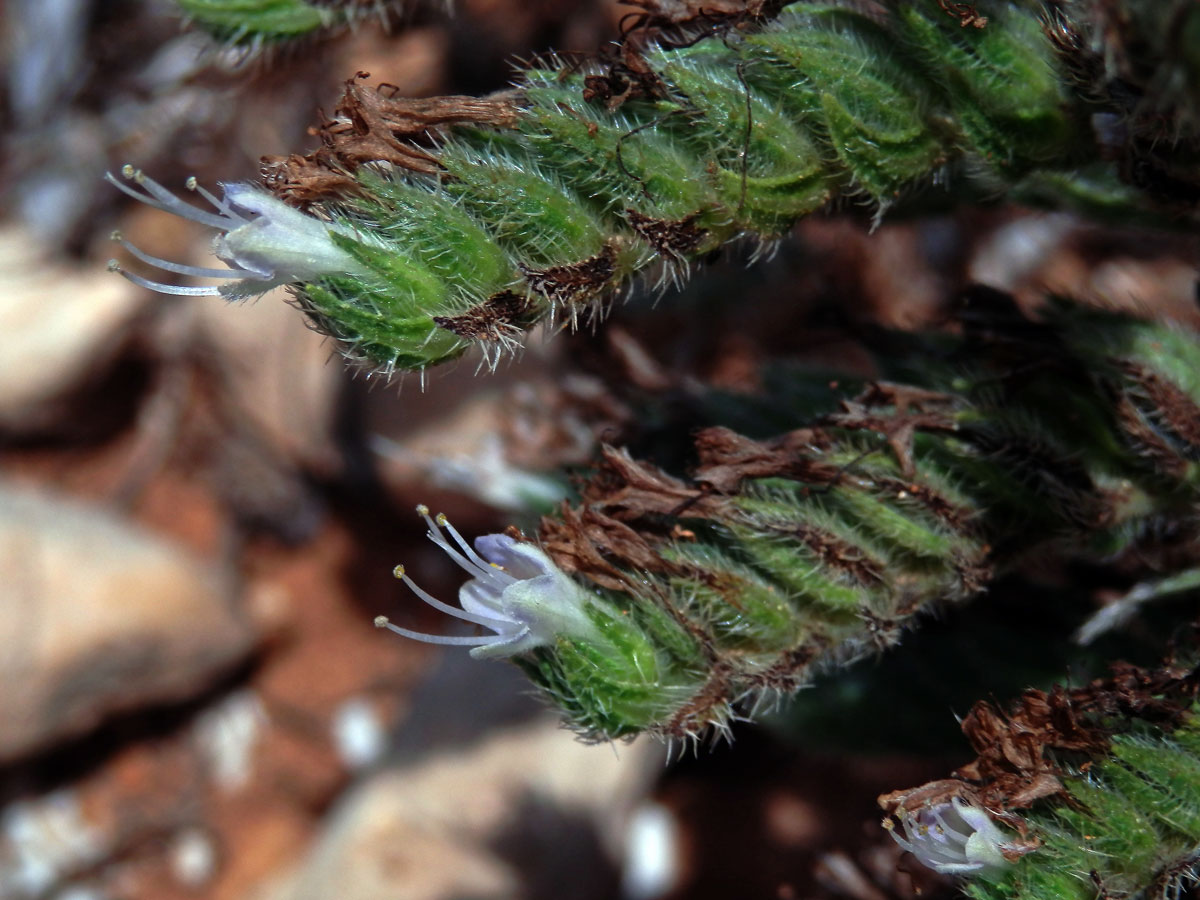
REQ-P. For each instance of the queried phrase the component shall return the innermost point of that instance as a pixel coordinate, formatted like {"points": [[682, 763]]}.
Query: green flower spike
{"points": [[471, 220], [675, 605], [251, 25]]}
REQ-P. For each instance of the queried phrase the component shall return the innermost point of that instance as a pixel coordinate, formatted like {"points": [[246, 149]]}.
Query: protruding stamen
{"points": [[193, 185], [160, 198], [211, 291], [479, 641], [474, 618], [181, 269], [478, 570], [467, 549]]}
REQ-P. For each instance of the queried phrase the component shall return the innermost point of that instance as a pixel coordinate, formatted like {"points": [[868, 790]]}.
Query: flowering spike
{"points": [[251, 25], [468, 221], [668, 605]]}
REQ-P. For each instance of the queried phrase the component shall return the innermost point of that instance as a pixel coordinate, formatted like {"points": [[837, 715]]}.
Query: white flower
{"points": [[265, 242], [953, 838], [516, 591]]}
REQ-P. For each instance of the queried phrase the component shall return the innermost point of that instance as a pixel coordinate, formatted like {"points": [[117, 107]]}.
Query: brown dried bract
{"points": [[934, 793], [369, 126], [496, 319], [701, 16], [304, 180], [932, 411], [628, 78], [575, 282], [628, 510], [630, 490], [673, 239], [966, 13], [728, 458], [589, 543]]}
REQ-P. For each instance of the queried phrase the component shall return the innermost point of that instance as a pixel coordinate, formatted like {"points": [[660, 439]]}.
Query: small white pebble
{"points": [[358, 733], [652, 853], [40, 839], [193, 858], [227, 735]]}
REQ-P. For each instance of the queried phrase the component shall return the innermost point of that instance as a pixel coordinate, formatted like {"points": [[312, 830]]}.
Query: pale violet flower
{"points": [[516, 591], [953, 838], [264, 242]]}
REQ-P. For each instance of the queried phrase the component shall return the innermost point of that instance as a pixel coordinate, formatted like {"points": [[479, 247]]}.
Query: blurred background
{"points": [[201, 506]]}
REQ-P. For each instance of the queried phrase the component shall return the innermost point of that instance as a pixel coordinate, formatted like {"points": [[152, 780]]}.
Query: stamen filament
{"points": [[181, 269], [467, 549], [160, 198], [946, 829], [489, 574], [486, 621], [479, 641], [198, 291], [193, 185]]}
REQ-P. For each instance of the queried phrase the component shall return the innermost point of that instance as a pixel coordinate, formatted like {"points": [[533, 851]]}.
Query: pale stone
{"points": [[98, 617], [60, 323], [285, 377], [429, 831]]}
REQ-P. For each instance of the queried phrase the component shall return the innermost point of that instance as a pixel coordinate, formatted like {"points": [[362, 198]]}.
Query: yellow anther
{"points": [[441, 519], [422, 509], [398, 572]]}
